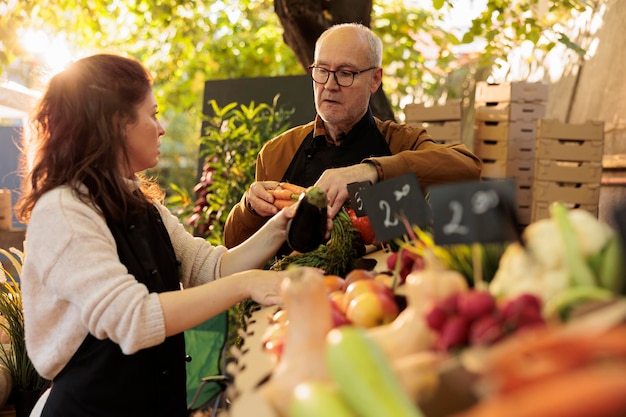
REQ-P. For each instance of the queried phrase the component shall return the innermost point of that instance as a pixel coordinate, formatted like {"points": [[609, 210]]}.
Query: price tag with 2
{"points": [[474, 212], [387, 203]]}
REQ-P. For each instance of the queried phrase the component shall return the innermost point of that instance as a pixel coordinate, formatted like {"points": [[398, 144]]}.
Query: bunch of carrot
{"points": [[286, 194], [551, 373]]}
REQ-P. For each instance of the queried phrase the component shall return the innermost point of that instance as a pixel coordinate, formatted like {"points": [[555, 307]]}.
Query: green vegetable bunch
{"points": [[337, 257], [231, 139]]}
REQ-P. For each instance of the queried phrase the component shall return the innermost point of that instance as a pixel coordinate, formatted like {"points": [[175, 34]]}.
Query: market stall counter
{"points": [[461, 346]]}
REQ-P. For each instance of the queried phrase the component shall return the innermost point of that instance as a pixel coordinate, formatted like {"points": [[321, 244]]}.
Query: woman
{"points": [[105, 260]]}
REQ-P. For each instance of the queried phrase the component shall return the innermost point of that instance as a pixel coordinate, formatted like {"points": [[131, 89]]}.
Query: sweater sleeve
{"points": [[413, 150], [200, 261]]}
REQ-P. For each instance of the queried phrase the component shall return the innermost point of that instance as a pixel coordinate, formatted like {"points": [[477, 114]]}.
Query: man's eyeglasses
{"points": [[343, 78]]}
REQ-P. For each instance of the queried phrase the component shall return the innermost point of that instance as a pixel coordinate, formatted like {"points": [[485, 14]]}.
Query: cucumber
{"points": [[364, 375], [318, 399], [307, 229]]}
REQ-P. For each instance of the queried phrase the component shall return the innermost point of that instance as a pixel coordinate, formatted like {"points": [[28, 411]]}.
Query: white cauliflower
{"points": [[544, 242], [520, 272], [592, 234], [540, 267]]}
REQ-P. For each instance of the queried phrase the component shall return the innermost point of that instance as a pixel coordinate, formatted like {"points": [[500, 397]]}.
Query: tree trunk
{"points": [[304, 21]]}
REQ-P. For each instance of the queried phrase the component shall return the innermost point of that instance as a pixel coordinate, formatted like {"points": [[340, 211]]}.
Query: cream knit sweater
{"points": [[73, 282]]}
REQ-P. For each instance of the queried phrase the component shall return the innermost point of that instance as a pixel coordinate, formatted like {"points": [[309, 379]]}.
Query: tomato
{"points": [[363, 226]]}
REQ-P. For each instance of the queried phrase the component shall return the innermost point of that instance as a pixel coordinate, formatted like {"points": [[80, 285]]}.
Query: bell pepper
{"points": [[363, 226]]}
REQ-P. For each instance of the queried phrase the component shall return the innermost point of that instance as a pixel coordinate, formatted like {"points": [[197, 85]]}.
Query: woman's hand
{"points": [[280, 221], [184, 309], [262, 286], [255, 251]]}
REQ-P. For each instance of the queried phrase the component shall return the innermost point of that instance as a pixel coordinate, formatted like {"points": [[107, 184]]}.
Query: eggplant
{"points": [[306, 231]]}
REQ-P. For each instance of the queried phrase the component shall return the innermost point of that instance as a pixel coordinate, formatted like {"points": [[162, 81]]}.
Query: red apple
{"points": [[357, 275], [371, 309], [367, 285], [385, 279], [334, 283], [338, 315], [339, 299]]}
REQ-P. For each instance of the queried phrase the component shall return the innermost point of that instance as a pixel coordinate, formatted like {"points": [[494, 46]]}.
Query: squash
{"points": [[418, 374], [409, 333], [308, 310]]}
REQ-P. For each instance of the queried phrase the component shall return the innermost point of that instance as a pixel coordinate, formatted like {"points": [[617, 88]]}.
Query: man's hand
{"points": [[259, 200], [335, 181]]}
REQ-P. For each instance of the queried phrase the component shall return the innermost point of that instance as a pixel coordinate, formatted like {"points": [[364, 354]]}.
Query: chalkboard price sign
{"points": [[356, 201], [387, 203], [474, 212]]}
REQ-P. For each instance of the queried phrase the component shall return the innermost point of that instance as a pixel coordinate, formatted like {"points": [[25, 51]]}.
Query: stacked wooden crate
{"points": [[568, 166], [506, 120], [443, 122]]}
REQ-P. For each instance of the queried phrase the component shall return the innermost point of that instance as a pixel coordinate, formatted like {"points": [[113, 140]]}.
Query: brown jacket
{"points": [[412, 148]]}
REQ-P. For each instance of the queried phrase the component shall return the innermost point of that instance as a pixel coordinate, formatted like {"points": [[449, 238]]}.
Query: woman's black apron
{"points": [[315, 156], [100, 380]]}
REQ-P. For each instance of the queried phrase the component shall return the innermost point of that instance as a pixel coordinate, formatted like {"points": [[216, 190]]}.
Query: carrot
{"points": [[281, 204], [283, 194], [296, 189], [596, 390], [547, 352]]}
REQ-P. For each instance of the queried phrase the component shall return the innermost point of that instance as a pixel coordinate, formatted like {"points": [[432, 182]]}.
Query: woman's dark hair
{"points": [[77, 136]]}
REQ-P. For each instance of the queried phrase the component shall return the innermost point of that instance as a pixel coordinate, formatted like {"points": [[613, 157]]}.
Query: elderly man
{"points": [[345, 143]]}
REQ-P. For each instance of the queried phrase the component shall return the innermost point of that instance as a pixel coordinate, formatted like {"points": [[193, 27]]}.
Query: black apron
{"points": [[315, 156], [100, 380]]}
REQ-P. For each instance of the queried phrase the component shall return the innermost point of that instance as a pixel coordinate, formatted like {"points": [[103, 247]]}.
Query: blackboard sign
{"points": [[356, 201], [388, 203], [474, 212]]}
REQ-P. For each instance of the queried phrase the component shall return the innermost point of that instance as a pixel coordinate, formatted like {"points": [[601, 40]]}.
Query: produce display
{"points": [[348, 238], [568, 258], [544, 336], [339, 254]]}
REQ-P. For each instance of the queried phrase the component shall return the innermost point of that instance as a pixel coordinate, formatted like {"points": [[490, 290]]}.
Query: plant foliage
{"points": [[231, 139]]}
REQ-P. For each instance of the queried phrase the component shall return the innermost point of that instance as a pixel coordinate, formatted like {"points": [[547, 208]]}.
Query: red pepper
{"points": [[363, 226]]}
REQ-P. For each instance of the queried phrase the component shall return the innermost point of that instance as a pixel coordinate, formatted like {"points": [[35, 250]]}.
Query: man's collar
{"points": [[320, 130]]}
